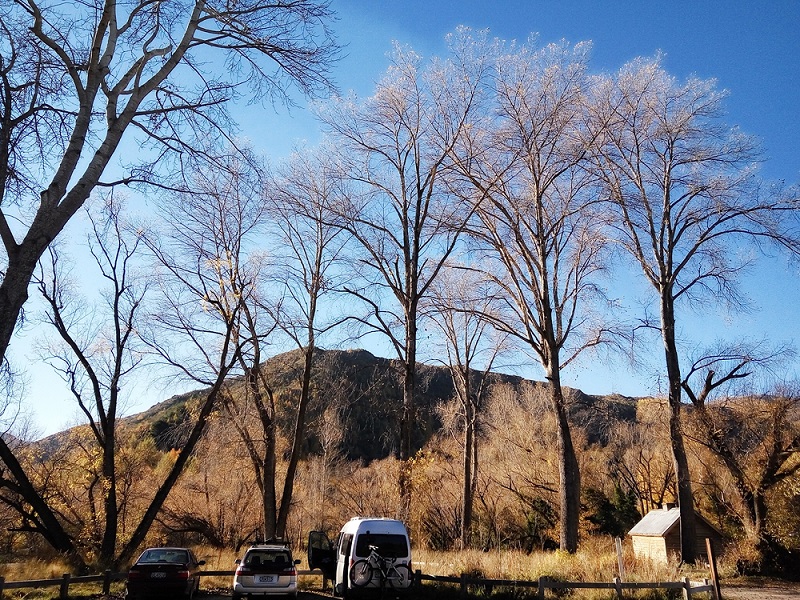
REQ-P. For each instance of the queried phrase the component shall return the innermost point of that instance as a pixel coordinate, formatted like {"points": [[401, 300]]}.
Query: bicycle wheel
{"points": [[399, 576], [361, 573]]}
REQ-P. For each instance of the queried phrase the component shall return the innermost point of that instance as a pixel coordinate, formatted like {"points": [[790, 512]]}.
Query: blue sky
{"points": [[751, 48]]}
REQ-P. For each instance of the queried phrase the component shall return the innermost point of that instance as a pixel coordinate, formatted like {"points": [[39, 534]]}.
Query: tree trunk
{"points": [[109, 544], [407, 418], [22, 262], [297, 442], [469, 443], [49, 526], [680, 460], [269, 496], [568, 471]]}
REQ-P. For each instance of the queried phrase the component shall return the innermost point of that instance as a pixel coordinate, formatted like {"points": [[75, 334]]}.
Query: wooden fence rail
{"points": [[543, 584], [689, 588], [63, 582]]}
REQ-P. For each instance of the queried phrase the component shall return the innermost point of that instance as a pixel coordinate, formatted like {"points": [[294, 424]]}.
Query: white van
{"points": [[348, 560]]}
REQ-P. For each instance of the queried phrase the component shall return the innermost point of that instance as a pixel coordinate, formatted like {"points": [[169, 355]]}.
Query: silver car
{"points": [[266, 570]]}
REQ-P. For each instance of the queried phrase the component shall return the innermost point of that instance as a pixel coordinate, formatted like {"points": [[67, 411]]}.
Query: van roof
{"points": [[381, 524]]}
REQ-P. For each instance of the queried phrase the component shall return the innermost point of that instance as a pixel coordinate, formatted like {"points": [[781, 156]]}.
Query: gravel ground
{"points": [[771, 590]]}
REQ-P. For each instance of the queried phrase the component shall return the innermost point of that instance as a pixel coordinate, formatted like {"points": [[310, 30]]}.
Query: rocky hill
{"points": [[367, 390]]}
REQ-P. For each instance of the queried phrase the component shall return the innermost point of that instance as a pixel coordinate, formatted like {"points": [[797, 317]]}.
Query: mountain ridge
{"points": [[369, 389]]}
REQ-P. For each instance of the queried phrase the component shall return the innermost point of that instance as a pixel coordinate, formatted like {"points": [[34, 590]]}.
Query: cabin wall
{"points": [[649, 547]]}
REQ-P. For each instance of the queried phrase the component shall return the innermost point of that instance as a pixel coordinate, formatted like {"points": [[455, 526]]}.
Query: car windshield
{"points": [[389, 545], [165, 555], [274, 558]]}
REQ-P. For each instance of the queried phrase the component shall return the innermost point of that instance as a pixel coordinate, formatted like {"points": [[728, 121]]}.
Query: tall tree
{"points": [[301, 202], [396, 148], [536, 229], [205, 327], [228, 215], [461, 308], [74, 78], [686, 195], [96, 359]]}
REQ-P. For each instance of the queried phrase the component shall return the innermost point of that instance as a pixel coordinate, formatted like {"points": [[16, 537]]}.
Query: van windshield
{"points": [[390, 545]]}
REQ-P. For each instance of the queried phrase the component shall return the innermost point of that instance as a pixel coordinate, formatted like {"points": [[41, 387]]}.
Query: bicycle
{"points": [[363, 571]]}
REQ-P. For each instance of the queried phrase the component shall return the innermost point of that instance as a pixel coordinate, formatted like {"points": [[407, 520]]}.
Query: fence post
{"points": [[542, 585], [618, 586], [463, 592], [106, 582], [712, 562], [64, 595], [620, 562], [2, 585], [687, 588], [417, 583]]}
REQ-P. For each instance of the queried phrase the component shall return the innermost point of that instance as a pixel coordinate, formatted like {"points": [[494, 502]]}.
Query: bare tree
{"points": [[75, 78], [396, 148], [228, 214], [754, 437], [536, 230], [459, 306], [686, 195], [301, 204], [205, 327], [96, 359]]}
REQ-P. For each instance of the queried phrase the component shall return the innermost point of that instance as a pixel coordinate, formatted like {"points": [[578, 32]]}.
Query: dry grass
{"points": [[596, 561], [34, 568]]}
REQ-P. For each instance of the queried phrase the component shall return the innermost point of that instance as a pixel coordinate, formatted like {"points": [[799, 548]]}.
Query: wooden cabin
{"points": [[658, 535]]}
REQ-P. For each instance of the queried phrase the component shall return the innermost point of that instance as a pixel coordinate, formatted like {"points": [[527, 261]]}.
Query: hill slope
{"points": [[367, 393]]}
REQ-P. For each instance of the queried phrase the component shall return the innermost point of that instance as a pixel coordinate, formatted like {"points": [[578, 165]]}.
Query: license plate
{"points": [[158, 575], [266, 579]]}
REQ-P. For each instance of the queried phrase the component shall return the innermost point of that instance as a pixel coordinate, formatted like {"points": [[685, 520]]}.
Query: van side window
{"points": [[345, 543]]}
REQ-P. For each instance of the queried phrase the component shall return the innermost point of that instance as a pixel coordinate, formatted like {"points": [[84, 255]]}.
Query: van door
{"points": [[341, 581], [321, 554]]}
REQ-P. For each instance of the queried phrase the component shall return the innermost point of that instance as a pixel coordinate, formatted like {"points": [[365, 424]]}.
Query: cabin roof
{"points": [[660, 521], [657, 523]]}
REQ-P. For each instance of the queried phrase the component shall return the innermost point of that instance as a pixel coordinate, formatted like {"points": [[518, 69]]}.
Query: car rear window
{"points": [[267, 557], [170, 556], [389, 544]]}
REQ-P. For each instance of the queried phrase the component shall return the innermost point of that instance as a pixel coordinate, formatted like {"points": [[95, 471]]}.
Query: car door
{"points": [[321, 554]]}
